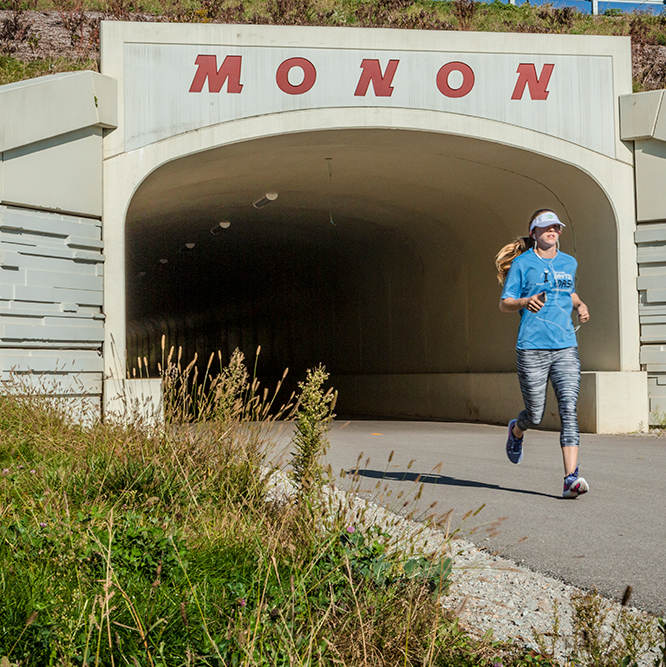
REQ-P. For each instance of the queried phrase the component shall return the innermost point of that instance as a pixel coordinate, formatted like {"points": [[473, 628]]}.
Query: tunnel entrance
{"points": [[376, 259]]}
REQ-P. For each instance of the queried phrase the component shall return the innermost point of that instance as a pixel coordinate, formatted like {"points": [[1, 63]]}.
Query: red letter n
{"points": [[380, 82], [229, 70], [527, 76]]}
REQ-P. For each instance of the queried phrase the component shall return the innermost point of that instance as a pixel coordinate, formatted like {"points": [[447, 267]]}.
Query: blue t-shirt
{"points": [[551, 328]]}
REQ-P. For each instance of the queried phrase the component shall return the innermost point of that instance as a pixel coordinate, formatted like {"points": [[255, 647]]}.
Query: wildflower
{"points": [[42, 524], [351, 529], [32, 472], [5, 471], [242, 602]]}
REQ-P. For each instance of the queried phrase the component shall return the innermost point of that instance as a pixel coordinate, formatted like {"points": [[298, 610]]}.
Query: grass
{"points": [[125, 545], [132, 545], [12, 69], [647, 30]]}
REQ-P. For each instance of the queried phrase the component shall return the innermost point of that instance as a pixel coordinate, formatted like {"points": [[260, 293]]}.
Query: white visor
{"points": [[546, 220]]}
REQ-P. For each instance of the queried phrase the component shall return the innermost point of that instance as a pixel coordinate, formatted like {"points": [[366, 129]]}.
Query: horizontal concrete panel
{"points": [[650, 166], [622, 400], [88, 256], [55, 265], [80, 296], [650, 233], [56, 383], [653, 354], [51, 334], [84, 242], [653, 282], [660, 123], [135, 399], [9, 259], [51, 313], [609, 402], [54, 252], [80, 408], [651, 309], [657, 409], [79, 363], [651, 254], [12, 276], [653, 333], [64, 280], [53, 105], [655, 296], [7, 291], [653, 319], [638, 114], [656, 368], [30, 308], [657, 389], [63, 173], [52, 224], [19, 239], [56, 319], [47, 346]]}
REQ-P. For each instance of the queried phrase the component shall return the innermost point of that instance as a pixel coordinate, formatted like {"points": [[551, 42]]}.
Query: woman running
{"points": [[539, 282]]}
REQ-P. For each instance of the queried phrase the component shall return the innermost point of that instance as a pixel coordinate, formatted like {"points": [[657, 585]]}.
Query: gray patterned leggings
{"points": [[535, 367]]}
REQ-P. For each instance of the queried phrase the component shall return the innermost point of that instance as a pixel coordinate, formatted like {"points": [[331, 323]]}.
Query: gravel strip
{"points": [[489, 594]]}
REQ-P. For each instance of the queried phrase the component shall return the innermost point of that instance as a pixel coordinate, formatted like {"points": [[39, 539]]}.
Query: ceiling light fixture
{"points": [[266, 199], [187, 247], [163, 261], [225, 224]]}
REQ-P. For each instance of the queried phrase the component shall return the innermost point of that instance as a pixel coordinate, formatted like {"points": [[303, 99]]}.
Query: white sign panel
{"points": [[174, 88]]}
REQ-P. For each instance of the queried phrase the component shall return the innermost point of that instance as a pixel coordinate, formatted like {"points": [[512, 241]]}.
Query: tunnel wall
{"points": [[51, 260], [644, 124], [593, 187]]}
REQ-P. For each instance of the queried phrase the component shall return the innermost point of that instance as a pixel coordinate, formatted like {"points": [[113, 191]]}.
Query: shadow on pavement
{"points": [[430, 478]]}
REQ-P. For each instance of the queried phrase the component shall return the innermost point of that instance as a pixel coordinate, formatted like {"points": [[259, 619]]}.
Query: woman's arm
{"points": [[583, 312], [533, 303]]}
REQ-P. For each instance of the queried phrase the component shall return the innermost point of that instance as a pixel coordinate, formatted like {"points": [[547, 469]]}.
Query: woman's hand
{"points": [[583, 313], [533, 303]]}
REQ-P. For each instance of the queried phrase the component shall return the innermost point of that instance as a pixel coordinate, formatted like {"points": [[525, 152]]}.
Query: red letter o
{"points": [[443, 80], [309, 76]]}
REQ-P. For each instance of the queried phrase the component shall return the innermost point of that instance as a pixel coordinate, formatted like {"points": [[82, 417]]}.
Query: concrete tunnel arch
{"points": [[398, 298]]}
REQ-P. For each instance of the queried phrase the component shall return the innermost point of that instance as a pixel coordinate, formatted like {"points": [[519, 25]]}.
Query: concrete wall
{"points": [[604, 403], [51, 251], [398, 293], [421, 197], [643, 117]]}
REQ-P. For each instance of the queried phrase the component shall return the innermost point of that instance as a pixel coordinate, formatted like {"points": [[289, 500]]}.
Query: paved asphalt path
{"points": [[611, 537]]}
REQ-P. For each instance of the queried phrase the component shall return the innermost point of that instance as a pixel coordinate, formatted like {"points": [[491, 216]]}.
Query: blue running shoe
{"points": [[574, 485], [514, 446]]}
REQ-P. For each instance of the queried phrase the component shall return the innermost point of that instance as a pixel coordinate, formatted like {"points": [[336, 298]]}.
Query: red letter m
{"points": [[380, 82], [229, 69], [527, 76]]}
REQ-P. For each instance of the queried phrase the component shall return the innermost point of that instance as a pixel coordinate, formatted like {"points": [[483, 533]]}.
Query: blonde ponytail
{"points": [[511, 250], [506, 256]]}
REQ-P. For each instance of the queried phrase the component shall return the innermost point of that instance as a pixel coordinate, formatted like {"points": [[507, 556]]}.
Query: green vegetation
{"points": [[21, 38], [12, 69], [313, 415], [130, 545], [170, 545]]}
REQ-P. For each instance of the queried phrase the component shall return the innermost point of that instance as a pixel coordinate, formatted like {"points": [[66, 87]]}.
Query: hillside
{"points": [[45, 36]]}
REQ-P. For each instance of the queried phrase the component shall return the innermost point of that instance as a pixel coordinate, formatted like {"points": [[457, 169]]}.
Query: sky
{"points": [[586, 7]]}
